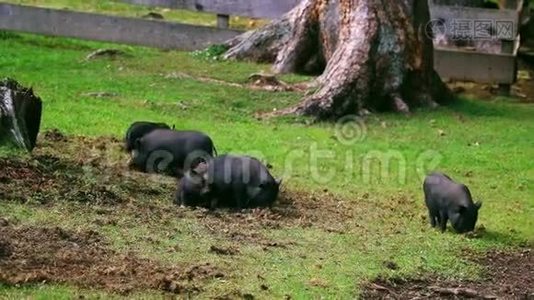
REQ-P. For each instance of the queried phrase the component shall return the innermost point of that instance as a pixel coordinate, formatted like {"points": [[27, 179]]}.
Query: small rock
{"points": [[458, 90], [3, 222], [100, 94], [153, 15], [105, 52], [181, 105], [364, 112], [223, 251], [248, 297], [54, 135], [391, 265]]}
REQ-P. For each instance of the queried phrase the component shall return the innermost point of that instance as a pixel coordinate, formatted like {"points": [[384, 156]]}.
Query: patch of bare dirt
{"points": [[72, 168], [294, 208], [93, 170], [509, 275], [36, 255], [47, 178]]}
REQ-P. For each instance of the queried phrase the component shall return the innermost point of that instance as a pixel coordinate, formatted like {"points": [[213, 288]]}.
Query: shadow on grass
{"points": [[498, 239], [496, 108], [56, 43]]}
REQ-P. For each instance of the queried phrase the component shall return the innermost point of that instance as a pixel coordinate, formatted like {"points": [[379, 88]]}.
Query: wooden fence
{"points": [[457, 63], [451, 63]]}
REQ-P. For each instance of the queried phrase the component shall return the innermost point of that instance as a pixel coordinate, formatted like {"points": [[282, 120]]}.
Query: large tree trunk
{"points": [[370, 54]]}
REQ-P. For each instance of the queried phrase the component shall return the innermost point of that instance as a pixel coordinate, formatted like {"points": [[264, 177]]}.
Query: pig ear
{"points": [[478, 204], [137, 144]]}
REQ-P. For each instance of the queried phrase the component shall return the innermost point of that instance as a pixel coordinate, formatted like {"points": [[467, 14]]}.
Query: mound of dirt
{"points": [[73, 168], [46, 178], [36, 255], [509, 275]]}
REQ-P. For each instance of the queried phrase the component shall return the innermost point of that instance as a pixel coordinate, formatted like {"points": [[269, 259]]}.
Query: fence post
{"points": [[507, 46], [223, 21]]}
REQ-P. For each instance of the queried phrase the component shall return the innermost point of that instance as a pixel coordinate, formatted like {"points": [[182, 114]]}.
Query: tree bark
{"points": [[20, 115], [370, 55]]}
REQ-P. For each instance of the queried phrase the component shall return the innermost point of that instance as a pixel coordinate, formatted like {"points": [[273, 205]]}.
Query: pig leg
{"points": [[179, 200], [239, 194], [238, 202], [433, 214], [443, 221], [433, 218], [213, 203], [239, 199]]}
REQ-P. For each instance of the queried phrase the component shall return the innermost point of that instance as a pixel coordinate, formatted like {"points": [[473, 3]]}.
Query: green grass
{"points": [[501, 169]]}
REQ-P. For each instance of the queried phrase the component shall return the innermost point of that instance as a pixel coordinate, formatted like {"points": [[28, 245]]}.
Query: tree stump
{"points": [[20, 115], [370, 55]]}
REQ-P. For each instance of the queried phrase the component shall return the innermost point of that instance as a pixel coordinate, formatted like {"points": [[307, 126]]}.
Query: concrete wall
{"points": [[152, 33], [268, 9]]}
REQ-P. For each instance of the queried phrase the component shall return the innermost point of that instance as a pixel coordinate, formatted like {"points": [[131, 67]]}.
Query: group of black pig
{"points": [[209, 180], [206, 179]]}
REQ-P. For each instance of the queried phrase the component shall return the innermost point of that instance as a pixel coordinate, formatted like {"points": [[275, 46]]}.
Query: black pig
{"points": [[229, 181], [171, 151], [139, 129], [448, 200]]}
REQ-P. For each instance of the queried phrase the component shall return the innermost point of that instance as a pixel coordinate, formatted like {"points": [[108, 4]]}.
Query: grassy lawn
{"points": [[487, 145]]}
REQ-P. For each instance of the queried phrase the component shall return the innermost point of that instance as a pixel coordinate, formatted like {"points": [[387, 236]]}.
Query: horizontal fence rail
{"points": [[462, 65], [90, 26]]}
